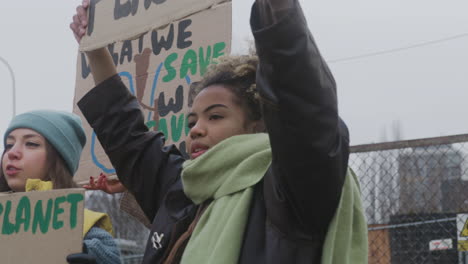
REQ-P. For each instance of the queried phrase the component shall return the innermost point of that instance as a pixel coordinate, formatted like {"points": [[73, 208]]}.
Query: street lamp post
{"points": [[13, 82]]}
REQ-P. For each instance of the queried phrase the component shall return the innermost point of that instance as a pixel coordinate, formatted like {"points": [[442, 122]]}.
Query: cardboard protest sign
{"points": [[112, 21], [41, 227], [159, 68]]}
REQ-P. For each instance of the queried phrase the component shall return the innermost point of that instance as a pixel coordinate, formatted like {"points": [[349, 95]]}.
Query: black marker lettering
{"points": [[85, 69], [164, 42], [91, 14], [148, 3], [127, 51], [114, 55], [182, 36], [171, 106]]}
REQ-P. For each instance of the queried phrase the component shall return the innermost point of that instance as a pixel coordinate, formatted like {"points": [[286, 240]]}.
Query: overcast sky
{"points": [[424, 89]]}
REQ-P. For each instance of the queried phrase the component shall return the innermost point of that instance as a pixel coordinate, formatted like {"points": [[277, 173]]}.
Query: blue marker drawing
{"points": [[93, 137], [153, 89], [130, 80], [95, 159]]}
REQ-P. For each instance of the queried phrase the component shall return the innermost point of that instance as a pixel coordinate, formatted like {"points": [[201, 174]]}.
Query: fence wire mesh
{"points": [[415, 196], [130, 233], [412, 192]]}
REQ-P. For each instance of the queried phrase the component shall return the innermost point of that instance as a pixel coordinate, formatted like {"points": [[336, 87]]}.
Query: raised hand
{"points": [[100, 60], [104, 184], [80, 21]]}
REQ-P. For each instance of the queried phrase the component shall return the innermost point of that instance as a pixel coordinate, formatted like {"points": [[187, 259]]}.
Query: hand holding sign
{"points": [[80, 21], [104, 184]]}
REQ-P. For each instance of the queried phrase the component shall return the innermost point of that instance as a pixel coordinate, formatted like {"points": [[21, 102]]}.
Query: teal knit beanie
{"points": [[62, 130]]}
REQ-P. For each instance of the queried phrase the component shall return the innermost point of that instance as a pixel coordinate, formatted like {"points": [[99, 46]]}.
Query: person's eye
{"points": [[8, 146], [216, 117], [32, 144], [191, 124]]}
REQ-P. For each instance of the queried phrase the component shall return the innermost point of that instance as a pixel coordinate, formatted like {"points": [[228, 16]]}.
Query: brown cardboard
{"points": [[207, 32], [112, 21], [23, 240]]}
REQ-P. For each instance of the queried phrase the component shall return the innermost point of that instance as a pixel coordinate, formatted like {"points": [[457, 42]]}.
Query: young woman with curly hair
{"points": [[267, 180]]}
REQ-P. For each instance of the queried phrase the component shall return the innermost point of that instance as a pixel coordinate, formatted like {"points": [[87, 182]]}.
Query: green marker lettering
{"points": [[177, 127], [40, 219], [204, 61], [7, 228], [187, 128], [150, 124], [74, 199], [218, 49], [23, 214], [171, 72], [189, 62], [162, 127], [56, 224]]}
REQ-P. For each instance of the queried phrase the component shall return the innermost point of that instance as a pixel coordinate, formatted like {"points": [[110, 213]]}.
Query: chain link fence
{"points": [[130, 233], [412, 192]]}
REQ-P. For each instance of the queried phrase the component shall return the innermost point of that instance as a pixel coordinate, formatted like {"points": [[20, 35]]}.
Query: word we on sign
{"points": [[112, 21]]}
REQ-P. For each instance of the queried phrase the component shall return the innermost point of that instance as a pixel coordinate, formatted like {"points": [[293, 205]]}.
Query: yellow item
{"points": [[91, 218], [38, 185], [101, 220]]}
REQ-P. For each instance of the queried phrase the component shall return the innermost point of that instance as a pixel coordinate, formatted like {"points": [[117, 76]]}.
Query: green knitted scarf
{"points": [[227, 174], [346, 239]]}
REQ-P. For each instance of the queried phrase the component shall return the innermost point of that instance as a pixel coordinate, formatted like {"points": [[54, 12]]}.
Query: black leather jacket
{"points": [[295, 202]]}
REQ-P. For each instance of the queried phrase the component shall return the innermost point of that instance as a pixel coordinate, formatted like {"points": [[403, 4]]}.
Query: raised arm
{"points": [[309, 142], [143, 164], [100, 60]]}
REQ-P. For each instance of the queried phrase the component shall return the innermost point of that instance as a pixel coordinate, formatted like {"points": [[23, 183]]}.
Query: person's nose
{"points": [[15, 152], [198, 130]]}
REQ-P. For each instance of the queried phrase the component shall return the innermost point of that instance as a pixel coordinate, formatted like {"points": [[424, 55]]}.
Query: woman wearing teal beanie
{"points": [[62, 138], [42, 151]]}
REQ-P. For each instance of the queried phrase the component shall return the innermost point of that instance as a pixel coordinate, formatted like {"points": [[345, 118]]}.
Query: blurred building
{"points": [[428, 177]]}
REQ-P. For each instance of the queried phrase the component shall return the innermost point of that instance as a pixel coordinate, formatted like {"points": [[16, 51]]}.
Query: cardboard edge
{"points": [[89, 47]]}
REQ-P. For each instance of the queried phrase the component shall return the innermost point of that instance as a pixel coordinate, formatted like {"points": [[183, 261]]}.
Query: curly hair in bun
{"points": [[238, 74]]}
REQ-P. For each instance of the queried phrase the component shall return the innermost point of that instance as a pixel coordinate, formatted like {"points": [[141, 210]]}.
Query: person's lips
{"points": [[197, 150], [12, 170]]}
